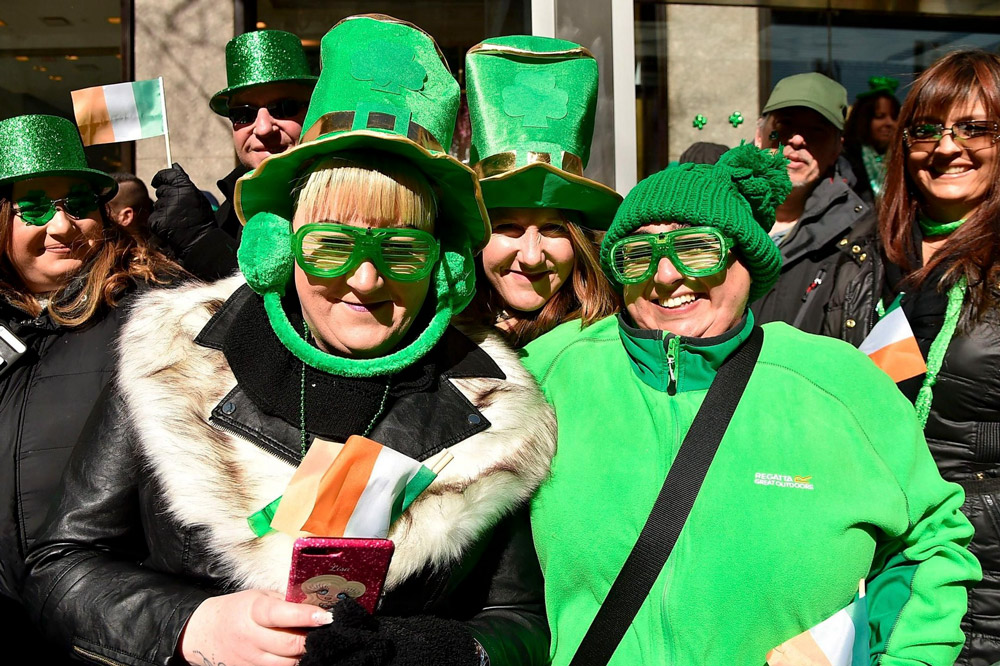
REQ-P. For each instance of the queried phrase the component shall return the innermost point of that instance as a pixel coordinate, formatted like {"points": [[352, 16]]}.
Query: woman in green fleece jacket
{"points": [[823, 477]]}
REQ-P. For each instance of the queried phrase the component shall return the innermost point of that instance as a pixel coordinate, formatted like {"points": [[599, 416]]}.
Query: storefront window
{"points": [[703, 71], [50, 49]]}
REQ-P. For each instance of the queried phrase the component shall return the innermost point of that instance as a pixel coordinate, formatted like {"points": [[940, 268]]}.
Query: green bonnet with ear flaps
{"points": [[265, 257], [738, 196]]}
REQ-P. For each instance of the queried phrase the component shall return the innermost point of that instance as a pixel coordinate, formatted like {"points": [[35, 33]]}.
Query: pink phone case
{"points": [[324, 567]]}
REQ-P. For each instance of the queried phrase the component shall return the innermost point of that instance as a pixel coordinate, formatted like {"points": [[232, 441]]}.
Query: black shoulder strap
{"points": [[671, 508]]}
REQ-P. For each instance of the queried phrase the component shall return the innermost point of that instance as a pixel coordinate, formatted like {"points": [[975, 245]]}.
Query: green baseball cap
{"points": [[36, 146], [260, 57], [813, 91], [532, 102]]}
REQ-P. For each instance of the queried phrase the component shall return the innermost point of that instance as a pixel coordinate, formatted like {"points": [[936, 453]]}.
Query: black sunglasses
{"points": [[280, 109]]}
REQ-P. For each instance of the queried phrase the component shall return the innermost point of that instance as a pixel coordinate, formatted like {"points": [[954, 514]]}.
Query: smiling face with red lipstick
{"points": [[364, 312], [46, 254]]}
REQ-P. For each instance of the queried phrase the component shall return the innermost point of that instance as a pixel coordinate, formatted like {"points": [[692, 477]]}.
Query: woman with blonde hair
{"points": [[357, 252], [65, 270], [940, 228], [529, 147]]}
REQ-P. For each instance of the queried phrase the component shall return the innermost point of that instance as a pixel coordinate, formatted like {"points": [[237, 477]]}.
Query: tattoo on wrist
{"points": [[205, 661]]}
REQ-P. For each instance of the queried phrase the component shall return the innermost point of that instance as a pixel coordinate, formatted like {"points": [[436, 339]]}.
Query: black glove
{"points": [[181, 214], [355, 638]]}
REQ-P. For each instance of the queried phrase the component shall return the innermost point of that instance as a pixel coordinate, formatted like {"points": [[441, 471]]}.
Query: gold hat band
{"points": [[343, 121], [500, 163]]}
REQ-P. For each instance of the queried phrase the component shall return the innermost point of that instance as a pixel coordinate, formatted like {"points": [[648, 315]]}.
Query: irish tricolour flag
{"points": [[120, 112], [840, 640], [892, 347], [357, 489]]}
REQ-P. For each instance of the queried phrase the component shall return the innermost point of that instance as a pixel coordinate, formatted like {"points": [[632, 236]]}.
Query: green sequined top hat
{"points": [[36, 146], [263, 56], [384, 86], [738, 196], [532, 102]]}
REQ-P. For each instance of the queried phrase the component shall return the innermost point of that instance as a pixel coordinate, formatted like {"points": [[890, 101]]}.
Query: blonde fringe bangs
{"points": [[371, 191]]}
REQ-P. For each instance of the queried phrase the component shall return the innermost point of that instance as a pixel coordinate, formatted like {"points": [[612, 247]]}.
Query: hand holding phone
{"points": [[325, 570]]}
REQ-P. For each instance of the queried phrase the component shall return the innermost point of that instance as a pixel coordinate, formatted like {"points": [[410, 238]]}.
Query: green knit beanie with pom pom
{"points": [[738, 196]]}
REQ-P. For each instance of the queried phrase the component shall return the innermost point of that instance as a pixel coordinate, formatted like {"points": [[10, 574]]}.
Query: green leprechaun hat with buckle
{"points": [[256, 58], [36, 146], [384, 86], [532, 102]]}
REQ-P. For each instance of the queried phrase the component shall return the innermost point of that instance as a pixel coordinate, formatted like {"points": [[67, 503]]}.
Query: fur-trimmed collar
{"points": [[214, 479]]}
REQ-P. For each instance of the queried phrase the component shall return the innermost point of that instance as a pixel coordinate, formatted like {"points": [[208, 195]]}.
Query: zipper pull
{"points": [[672, 346]]}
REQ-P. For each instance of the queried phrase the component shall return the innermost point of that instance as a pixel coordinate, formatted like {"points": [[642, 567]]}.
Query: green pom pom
{"points": [[761, 176], [265, 254]]}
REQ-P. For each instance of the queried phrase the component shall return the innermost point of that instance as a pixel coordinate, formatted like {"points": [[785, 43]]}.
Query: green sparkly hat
{"points": [[385, 87], [738, 196], [36, 146], [532, 102], [256, 58]]}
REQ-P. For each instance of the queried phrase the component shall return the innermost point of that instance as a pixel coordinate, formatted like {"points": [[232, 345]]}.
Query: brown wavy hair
{"points": [[586, 295], [973, 250], [116, 264]]}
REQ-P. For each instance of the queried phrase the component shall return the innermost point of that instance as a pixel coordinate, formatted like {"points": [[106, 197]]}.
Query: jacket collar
{"points": [[228, 184], [831, 209], [672, 363], [424, 412]]}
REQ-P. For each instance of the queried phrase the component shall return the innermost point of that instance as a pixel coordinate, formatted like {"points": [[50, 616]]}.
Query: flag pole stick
{"points": [[166, 130]]}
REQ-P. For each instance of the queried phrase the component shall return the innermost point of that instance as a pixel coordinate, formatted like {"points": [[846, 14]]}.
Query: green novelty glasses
{"points": [[694, 251], [326, 249], [35, 208]]}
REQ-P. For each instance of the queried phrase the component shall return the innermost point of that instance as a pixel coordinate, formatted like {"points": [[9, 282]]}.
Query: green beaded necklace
{"points": [[956, 297]]}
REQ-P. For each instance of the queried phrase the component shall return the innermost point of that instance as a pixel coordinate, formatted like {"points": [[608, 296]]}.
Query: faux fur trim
{"points": [[214, 480]]}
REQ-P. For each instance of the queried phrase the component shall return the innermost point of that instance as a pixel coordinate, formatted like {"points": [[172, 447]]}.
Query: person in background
{"points": [[131, 205], [269, 83], [529, 147], [357, 253], [821, 476], [824, 230], [939, 218], [66, 270], [868, 133]]}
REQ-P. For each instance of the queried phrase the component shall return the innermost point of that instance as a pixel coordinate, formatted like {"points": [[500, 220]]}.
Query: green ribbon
{"points": [[260, 521], [932, 228]]}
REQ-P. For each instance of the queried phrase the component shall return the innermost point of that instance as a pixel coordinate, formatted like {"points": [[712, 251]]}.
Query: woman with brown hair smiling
{"points": [[940, 227], [65, 269], [529, 147]]}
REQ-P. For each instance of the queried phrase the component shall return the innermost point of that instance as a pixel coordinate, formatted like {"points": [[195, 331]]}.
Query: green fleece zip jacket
{"points": [[823, 478]]}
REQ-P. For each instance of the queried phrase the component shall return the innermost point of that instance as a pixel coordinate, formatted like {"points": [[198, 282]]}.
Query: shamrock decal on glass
{"points": [[535, 99], [736, 119], [699, 121], [390, 66]]}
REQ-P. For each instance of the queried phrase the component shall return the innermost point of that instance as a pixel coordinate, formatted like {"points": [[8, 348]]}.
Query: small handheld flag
{"points": [[121, 112], [840, 640], [892, 346], [357, 489]]}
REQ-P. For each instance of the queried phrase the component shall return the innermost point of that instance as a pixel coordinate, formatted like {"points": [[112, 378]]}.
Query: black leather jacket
{"points": [[963, 434], [115, 577]]}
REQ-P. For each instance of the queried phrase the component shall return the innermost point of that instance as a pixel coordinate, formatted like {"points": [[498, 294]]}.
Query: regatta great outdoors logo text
{"points": [[783, 481]]}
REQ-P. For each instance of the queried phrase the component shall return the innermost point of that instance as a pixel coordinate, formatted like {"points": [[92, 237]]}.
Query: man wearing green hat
{"points": [[269, 84], [719, 487], [823, 228]]}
